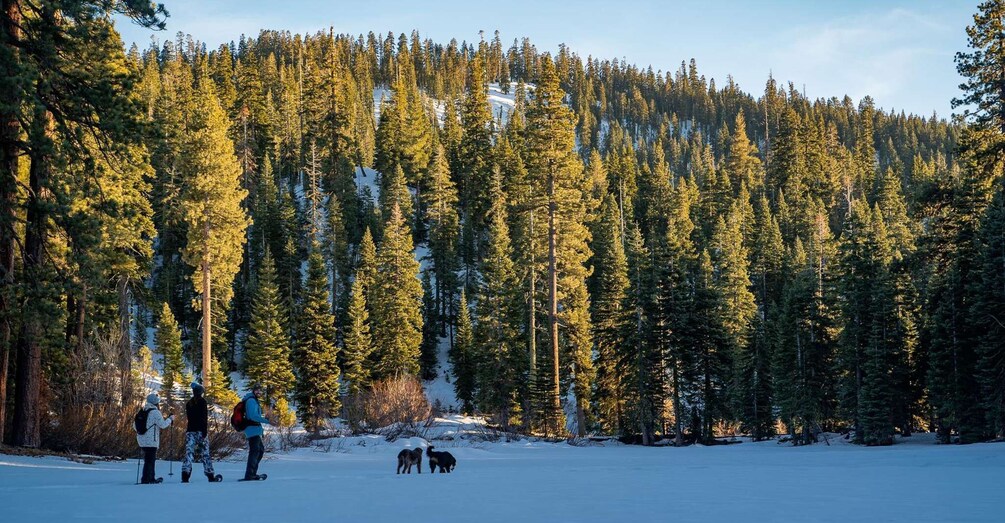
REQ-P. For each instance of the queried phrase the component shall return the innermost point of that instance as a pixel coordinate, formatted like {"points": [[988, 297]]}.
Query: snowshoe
{"points": [[260, 477], [214, 478], [154, 482]]}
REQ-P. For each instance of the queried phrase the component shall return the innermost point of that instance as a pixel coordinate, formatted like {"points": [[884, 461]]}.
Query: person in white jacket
{"points": [[149, 440]]}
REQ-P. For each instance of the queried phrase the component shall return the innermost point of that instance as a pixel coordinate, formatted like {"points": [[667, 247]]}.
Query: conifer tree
{"points": [[497, 312], [766, 264], [211, 207], [315, 356], [736, 310], [802, 364], [388, 140], [673, 261], [394, 193], [903, 336], [357, 341], [366, 265], [267, 348], [731, 279], [474, 172], [416, 135], [462, 359], [396, 302], [168, 342], [990, 297], [441, 214], [552, 163], [609, 292], [707, 326], [430, 338], [863, 359], [218, 391], [644, 359], [742, 164], [788, 160], [336, 249], [50, 117]]}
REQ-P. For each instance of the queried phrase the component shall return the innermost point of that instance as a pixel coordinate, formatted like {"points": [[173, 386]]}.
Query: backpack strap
{"points": [[149, 426]]}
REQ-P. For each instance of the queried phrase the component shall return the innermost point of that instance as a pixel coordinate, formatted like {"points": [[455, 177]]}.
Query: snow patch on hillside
{"points": [[367, 178], [380, 94], [500, 103], [440, 390]]}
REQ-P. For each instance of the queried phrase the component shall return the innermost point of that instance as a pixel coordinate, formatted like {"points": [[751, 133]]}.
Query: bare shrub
{"points": [[727, 429], [285, 439], [98, 429], [88, 417], [396, 400], [393, 407]]}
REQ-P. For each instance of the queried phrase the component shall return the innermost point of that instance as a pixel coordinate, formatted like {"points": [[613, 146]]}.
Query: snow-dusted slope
{"points": [[530, 482], [501, 103]]}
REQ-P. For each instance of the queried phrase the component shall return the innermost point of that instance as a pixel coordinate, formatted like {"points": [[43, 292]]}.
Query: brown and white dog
{"points": [[407, 458]]}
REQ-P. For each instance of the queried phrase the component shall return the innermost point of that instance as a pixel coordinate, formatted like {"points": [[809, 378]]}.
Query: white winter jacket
{"points": [[155, 422]]}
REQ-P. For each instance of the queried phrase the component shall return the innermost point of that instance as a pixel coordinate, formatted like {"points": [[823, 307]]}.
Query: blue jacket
{"points": [[253, 412]]}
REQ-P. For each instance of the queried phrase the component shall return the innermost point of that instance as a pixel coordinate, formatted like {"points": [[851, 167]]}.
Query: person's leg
{"points": [[259, 452], [252, 467], [207, 460], [190, 442], [149, 458]]}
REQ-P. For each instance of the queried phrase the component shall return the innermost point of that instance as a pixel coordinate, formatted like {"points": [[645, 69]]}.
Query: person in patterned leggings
{"points": [[196, 436]]}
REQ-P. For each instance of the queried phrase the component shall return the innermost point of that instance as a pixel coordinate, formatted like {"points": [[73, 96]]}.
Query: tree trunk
{"points": [[678, 437], [125, 345], [10, 129], [207, 326], [532, 324], [76, 315], [28, 376], [553, 299], [580, 417], [71, 318]]}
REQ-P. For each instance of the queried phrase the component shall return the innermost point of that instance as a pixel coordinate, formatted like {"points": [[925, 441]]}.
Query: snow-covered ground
{"points": [[535, 481]]}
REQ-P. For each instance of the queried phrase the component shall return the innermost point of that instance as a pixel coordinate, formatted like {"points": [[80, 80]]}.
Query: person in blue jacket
{"points": [[253, 432]]}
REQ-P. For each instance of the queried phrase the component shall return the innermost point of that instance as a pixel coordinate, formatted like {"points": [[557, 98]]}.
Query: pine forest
{"points": [[574, 246]]}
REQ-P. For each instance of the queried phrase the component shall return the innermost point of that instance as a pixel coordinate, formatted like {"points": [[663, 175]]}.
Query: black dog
{"points": [[444, 460], [407, 458]]}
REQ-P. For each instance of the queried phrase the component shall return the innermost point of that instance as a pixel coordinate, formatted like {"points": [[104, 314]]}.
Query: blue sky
{"points": [[899, 52]]}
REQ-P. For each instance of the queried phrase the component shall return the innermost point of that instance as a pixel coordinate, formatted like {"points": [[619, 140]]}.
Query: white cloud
{"points": [[890, 56]]}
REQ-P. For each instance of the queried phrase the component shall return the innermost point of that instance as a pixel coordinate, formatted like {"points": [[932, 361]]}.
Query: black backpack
{"points": [[140, 421]]}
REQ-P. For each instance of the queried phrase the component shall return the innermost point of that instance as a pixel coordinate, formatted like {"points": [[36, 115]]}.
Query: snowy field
{"points": [[533, 481]]}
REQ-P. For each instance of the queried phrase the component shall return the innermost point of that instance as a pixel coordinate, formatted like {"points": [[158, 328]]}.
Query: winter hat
{"points": [[197, 387], [153, 399]]}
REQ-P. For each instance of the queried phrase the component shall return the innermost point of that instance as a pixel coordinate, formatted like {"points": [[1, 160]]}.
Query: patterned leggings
{"points": [[193, 440]]}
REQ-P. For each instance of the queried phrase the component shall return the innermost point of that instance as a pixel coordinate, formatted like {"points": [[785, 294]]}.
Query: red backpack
{"points": [[238, 419]]}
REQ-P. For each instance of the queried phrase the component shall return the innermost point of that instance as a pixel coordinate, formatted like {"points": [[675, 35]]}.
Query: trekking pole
{"points": [[170, 449], [138, 466]]}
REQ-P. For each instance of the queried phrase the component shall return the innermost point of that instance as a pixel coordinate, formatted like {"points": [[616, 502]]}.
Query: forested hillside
{"points": [[623, 251]]}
